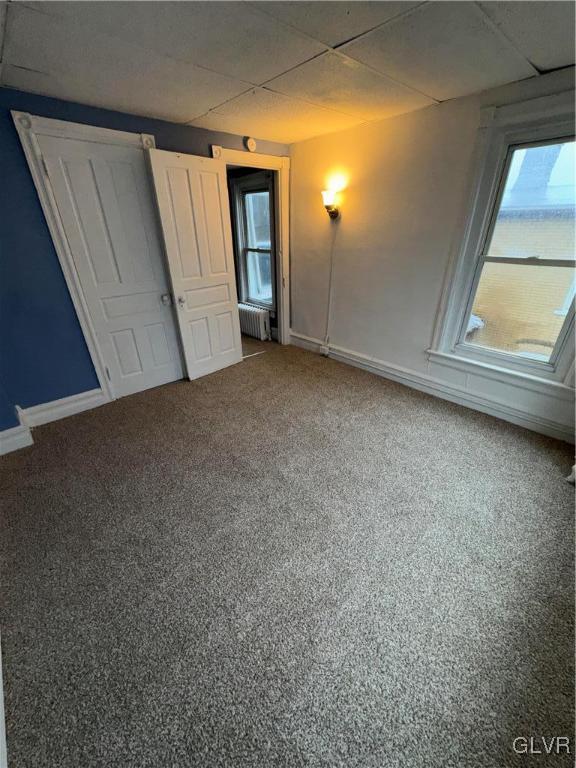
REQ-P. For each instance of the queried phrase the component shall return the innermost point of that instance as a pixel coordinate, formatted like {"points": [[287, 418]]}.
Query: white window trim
{"points": [[540, 119], [240, 187]]}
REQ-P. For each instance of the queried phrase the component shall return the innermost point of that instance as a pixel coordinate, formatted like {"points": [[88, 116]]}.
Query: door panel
{"points": [[225, 330], [127, 351], [104, 198], [193, 205], [214, 225]]}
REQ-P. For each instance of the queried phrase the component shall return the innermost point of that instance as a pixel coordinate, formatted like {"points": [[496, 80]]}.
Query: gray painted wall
{"points": [[409, 180]]}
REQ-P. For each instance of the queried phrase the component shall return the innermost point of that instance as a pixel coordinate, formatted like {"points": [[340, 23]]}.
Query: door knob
{"points": [[166, 299], [181, 302]]}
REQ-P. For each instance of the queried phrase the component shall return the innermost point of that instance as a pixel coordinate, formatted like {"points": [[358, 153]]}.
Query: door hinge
{"points": [[107, 372]]}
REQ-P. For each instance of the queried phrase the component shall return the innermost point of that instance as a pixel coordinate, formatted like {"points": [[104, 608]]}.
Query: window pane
{"points": [[536, 216], [257, 219], [520, 308], [259, 276]]}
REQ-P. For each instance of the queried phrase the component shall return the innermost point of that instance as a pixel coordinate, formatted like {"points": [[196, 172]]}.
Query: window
{"points": [[254, 239], [510, 301], [527, 270], [258, 248]]}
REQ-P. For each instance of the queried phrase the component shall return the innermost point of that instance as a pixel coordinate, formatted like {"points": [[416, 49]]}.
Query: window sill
{"points": [[525, 365], [259, 305], [523, 380]]}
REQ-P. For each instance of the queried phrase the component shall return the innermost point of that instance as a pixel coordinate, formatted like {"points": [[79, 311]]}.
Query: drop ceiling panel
{"points": [[264, 114], [340, 83], [197, 62], [543, 31], [334, 22], [2, 23], [68, 60], [231, 38], [444, 49], [2, 26]]}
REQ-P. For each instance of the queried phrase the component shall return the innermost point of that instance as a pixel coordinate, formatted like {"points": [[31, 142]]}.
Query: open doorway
{"points": [[263, 274], [253, 218]]}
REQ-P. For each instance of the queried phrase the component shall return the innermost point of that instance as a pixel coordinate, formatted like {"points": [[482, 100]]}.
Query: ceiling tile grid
{"points": [[231, 38], [340, 83], [74, 62], [265, 114], [333, 22], [443, 49], [284, 70], [544, 32]]}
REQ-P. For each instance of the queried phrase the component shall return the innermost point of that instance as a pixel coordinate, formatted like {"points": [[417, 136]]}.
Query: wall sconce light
{"points": [[329, 200]]}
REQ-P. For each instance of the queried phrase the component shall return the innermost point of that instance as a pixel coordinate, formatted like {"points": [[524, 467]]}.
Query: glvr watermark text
{"points": [[541, 745]]}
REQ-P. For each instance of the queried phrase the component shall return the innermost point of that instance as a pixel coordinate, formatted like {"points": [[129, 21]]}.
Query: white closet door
{"points": [[193, 204], [104, 197]]}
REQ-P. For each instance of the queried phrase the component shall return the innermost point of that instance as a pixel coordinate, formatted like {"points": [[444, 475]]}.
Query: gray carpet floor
{"points": [[252, 346], [287, 563]]}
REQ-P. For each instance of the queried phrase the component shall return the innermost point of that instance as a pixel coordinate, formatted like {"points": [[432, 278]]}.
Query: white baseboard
{"points": [[21, 436], [60, 409], [306, 342], [455, 394], [442, 389], [15, 438]]}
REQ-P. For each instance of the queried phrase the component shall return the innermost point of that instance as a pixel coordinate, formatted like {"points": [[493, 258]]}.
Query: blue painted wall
{"points": [[7, 412], [43, 355]]}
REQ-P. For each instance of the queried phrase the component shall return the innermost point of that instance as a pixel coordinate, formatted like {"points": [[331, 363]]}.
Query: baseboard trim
{"points": [[432, 386], [306, 342], [15, 438], [438, 388], [44, 413]]}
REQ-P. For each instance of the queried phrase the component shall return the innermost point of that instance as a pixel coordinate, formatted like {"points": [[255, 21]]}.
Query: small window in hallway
{"points": [[253, 207], [258, 248]]}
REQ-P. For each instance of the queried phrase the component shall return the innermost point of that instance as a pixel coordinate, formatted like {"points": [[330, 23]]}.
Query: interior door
{"points": [[193, 204], [105, 201]]}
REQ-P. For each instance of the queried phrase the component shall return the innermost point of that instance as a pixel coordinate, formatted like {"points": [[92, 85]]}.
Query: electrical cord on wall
{"points": [[330, 292]]}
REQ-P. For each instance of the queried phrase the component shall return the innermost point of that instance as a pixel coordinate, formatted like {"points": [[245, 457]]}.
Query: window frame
{"points": [[568, 301], [462, 346], [257, 182], [541, 121]]}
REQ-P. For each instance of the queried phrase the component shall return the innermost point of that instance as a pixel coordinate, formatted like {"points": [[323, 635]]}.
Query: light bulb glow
{"points": [[337, 181], [329, 196]]}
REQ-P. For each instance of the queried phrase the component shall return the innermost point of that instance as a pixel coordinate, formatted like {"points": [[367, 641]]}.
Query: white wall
{"points": [[402, 215]]}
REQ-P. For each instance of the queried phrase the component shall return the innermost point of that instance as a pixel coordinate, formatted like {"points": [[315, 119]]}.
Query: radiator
{"points": [[254, 321]]}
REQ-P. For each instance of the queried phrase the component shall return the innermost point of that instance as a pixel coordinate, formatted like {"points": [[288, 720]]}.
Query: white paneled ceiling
{"points": [[544, 32], [231, 38], [332, 22], [283, 71], [271, 115], [338, 82], [442, 49], [2, 23], [73, 61]]}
